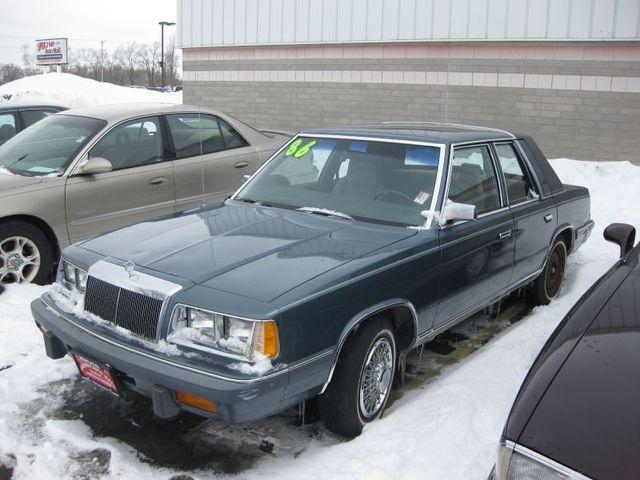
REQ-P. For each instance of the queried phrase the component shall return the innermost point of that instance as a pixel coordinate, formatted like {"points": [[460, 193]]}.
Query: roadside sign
{"points": [[51, 51]]}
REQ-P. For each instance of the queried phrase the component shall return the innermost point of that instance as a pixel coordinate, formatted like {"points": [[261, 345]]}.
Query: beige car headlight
{"points": [[222, 333]]}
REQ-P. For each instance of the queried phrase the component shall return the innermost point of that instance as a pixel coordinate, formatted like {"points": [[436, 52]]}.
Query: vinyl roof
{"points": [[418, 132]]}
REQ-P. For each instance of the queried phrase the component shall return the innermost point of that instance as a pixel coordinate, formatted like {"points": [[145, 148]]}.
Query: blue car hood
{"points": [[252, 251]]}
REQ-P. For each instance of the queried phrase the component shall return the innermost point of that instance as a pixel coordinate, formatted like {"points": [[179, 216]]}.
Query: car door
{"points": [[535, 217], [139, 188], [211, 158], [8, 125], [477, 255]]}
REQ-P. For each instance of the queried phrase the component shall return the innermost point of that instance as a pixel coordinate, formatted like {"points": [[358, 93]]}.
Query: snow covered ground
{"points": [[72, 91], [446, 429]]}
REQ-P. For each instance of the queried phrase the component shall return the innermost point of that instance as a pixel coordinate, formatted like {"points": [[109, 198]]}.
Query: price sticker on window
{"points": [[421, 198], [298, 150]]}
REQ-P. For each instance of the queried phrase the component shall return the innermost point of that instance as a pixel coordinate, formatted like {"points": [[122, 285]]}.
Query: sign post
{"points": [[52, 51]]}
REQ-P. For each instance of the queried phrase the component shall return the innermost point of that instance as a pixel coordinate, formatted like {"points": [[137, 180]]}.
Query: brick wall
{"points": [[578, 101]]}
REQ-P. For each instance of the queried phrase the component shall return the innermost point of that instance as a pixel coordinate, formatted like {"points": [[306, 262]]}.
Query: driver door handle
{"points": [[506, 234], [241, 164], [158, 181], [548, 218]]}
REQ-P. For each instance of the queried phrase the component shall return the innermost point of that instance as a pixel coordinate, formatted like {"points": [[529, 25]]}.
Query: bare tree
{"points": [[129, 59], [149, 57], [171, 63], [10, 72], [130, 64]]}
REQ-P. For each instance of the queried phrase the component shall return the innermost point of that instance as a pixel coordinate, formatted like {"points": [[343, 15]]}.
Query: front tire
{"points": [[547, 286], [26, 256], [362, 380]]}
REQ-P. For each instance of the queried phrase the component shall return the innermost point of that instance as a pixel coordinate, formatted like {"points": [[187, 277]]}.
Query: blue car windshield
{"points": [[375, 181], [49, 146]]}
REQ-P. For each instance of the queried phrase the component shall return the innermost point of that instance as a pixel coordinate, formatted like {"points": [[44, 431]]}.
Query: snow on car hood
{"points": [[251, 251]]}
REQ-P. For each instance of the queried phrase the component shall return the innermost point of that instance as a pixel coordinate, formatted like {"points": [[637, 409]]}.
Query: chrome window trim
{"points": [[454, 146], [546, 461], [439, 173], [527, 165], [524, 202]]}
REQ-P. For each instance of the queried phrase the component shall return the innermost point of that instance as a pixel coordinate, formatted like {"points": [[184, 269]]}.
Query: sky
{"points": [[83, 22]]}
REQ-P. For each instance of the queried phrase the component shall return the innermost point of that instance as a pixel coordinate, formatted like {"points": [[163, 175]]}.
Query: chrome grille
{"points": [[130, 310]]}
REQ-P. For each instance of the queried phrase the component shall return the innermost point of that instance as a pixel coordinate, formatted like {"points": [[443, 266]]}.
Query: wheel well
{"points": [[402, 318], [44, 228], [567, 236]]}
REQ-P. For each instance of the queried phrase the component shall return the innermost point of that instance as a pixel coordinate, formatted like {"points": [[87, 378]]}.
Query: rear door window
{"points": [[519, 183], [7, 126], [194, 134], [232, 138]]}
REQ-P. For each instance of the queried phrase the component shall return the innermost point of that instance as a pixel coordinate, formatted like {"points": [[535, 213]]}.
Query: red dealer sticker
{"points": [[96, 373]]}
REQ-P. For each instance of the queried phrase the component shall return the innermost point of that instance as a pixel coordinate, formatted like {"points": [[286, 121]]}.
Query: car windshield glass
{"points": [[48, 147], [368, 180]]}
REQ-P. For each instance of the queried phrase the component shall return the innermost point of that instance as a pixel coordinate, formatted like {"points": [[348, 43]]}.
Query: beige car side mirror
{"points": [[95, 165]]}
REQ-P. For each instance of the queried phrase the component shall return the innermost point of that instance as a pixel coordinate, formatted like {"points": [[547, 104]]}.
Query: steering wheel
{"points": [[396, 193]]}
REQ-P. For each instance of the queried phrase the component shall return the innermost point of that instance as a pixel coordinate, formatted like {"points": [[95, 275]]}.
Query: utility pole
{"points": [[102, 60], [162, 25]]}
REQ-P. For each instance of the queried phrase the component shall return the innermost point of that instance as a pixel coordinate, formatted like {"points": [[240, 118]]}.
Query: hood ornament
{"points": [[129, 266]]}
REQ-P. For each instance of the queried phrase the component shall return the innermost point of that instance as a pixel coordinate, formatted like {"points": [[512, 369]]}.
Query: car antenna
{"points": [[204, 203]]}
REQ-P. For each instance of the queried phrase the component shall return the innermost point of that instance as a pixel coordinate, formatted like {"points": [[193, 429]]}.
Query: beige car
{"points": [[87, 171]]}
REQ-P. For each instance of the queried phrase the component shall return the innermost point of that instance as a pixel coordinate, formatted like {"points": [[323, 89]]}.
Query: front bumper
{"points": [[239, 400]]}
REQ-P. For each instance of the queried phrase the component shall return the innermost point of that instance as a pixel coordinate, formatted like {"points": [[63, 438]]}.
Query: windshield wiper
{"points": [[254, 202], [325, 212]]}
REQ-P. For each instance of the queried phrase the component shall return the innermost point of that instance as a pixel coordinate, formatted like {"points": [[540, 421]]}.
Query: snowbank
{"points": [[446, 430], [73, 91]]}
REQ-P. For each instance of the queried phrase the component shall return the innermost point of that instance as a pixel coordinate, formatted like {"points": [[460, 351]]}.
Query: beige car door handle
{"points": [[158, 181], [241, 164]]}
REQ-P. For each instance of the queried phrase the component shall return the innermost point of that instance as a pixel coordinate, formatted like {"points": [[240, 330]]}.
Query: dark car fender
{"points": [[361, 317]]}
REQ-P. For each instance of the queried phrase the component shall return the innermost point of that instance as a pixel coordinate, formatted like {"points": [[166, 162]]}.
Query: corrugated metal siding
{"points": [[250, 22]]}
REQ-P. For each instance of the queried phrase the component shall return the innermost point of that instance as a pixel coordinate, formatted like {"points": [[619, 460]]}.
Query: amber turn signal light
{"points": [[197, 402], [266, 340]]}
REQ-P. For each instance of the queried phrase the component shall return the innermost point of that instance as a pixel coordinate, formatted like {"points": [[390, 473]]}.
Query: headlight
{"points": [[71, 277], [519, 463], [235, 336]]}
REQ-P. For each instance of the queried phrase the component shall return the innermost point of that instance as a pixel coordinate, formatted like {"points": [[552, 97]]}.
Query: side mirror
{"points": [[95, 165], [457, 211], [622, 234]]}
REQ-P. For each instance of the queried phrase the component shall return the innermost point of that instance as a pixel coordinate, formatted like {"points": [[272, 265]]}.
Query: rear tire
{"points": [[547, 286], [26, 255], [362, 380]]}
